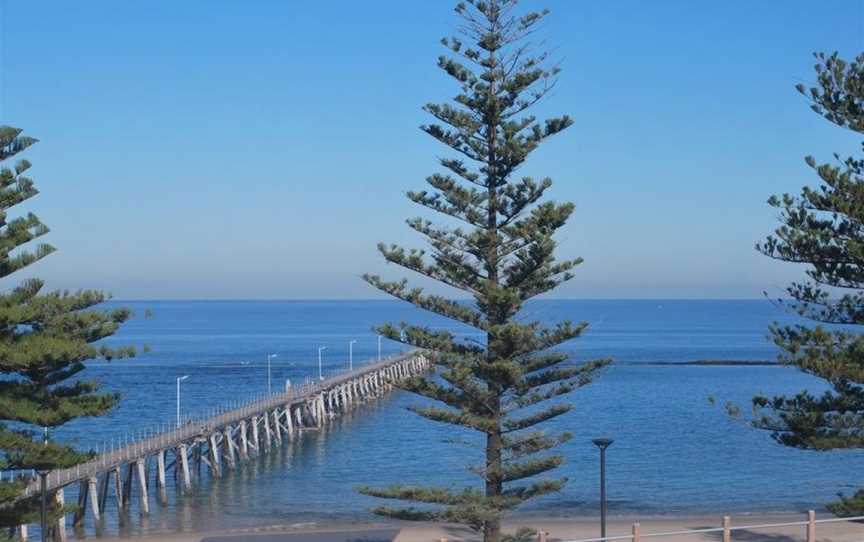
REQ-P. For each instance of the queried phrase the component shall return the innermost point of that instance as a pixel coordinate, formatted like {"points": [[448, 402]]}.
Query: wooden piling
{"points": [[229, 448], [184, 465], [255, 440], [119, 490], [144, 505], [60, 533], [160, 477], [727, 529], [277, 432], [289, 424], [268, 436], [322, 411], [94, 498], [244, 444], [215, 466], [811, 526]]}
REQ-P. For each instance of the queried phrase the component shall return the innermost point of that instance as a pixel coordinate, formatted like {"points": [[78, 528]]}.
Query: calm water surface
{"points": [[674, 453]]}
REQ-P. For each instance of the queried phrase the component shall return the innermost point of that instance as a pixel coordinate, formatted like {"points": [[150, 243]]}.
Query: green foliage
{"points": [[849, 507], [823, 228], [500, 252], [45, 338]]}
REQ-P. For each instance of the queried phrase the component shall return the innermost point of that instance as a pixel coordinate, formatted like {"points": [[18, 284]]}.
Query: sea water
{"points": [[674, 452]]}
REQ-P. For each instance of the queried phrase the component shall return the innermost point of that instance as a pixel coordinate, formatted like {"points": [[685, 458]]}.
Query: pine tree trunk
{"points": [[494, 487]]}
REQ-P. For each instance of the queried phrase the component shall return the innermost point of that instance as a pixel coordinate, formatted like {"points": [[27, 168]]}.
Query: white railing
{"points": [[727, 530]]}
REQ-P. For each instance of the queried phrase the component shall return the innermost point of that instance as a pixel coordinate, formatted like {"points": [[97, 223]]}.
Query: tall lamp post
{"points": [[602, 443], [179, 379], [320, 370], [269, 386], [351, 355]]}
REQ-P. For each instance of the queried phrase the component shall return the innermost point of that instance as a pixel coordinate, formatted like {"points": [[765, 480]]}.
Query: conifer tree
{"points": [[45, 338], [823, 228], [500, 252]]}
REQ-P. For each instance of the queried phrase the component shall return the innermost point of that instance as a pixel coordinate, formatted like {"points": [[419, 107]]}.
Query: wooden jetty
{"points": [[219, 442]]}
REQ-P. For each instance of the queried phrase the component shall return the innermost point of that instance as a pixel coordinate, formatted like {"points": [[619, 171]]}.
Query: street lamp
{"points": [[320, 371], [269, 357], [602, 443], [379, 347], [351, 355], [179, 379]]}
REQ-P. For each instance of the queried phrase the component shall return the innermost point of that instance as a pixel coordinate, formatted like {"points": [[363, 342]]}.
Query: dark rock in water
{"points": [[711, 362], [730, 362]]}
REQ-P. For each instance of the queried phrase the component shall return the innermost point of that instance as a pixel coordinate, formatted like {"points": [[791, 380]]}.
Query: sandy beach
{"points": [[559, 529]]}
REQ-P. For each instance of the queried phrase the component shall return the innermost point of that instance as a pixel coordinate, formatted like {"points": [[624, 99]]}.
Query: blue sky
{"points": [[215, 149]]}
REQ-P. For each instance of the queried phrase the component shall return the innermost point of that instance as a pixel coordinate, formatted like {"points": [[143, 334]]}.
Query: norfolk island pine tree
{"points": [[500, 253], [45, 339], [823, 228]]}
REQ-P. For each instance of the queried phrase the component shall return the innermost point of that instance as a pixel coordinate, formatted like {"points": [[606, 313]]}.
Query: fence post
{"points": [[635, 533], [727, 529], [541, 535], [811, 526]]}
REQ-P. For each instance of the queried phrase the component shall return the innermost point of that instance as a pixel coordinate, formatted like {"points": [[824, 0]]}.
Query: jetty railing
{"points": [[727, 530]]}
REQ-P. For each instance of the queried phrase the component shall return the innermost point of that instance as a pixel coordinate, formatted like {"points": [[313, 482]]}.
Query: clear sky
{"points": [[216, 149]]}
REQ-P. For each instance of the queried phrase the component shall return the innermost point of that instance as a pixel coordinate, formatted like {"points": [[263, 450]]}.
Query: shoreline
{"points": [[559, 529]]}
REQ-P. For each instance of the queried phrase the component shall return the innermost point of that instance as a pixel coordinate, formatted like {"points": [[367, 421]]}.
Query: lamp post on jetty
{"points": [[269, 386], [602, 443], [320, 370], [351, 355], [179, 379]]}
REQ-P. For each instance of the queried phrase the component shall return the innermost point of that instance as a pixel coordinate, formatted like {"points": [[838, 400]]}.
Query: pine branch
{"points": [[433, 303], [521, 446], [511, 425], [526, 469], [462, 418], [423, 494]]}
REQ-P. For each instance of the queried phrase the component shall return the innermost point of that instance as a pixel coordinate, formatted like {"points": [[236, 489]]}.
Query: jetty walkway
{"points": [[219, 442]]}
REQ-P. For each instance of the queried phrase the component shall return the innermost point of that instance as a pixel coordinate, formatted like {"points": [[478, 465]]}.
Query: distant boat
{"points": [[244, 363]]}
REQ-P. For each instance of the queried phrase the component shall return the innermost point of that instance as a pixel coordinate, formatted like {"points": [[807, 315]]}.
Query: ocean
{"points": [[674, 452]]}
